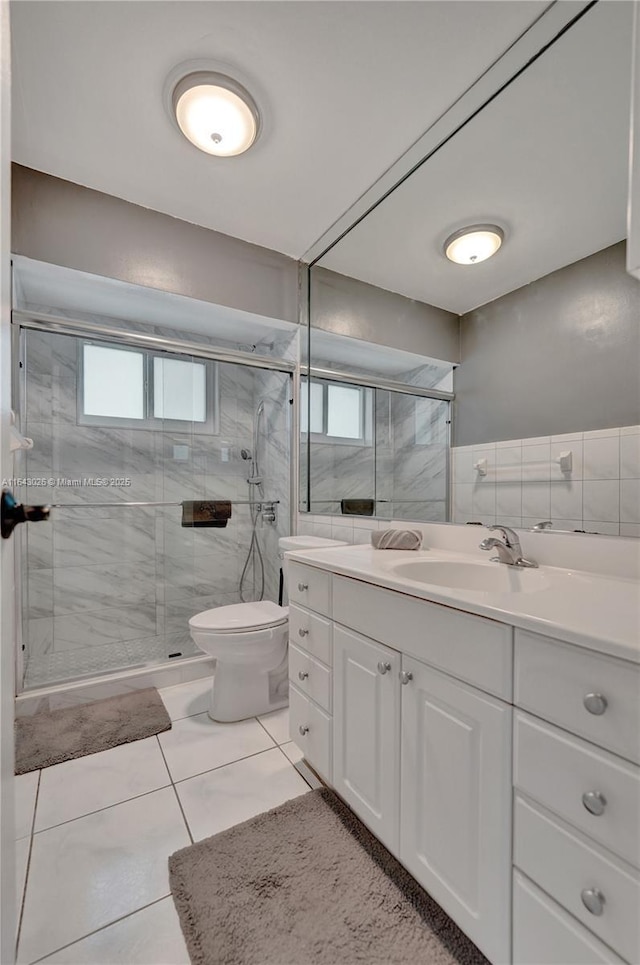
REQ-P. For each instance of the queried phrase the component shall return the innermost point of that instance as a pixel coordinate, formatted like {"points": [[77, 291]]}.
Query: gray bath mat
{"points": [[307, 884], [61, 735]]}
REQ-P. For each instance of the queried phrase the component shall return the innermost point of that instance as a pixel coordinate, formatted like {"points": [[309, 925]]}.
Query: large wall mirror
{"points": [[506, 389]]}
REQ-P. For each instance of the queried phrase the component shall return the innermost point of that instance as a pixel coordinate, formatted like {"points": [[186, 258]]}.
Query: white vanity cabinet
{"points": [[576, 806], [456, 801], [424, 759], [366, 743], [500, 766], [310, 666]]}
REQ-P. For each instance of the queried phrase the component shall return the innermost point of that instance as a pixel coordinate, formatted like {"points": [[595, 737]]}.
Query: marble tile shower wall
{"points": [[524, 483], [409, 479], [111, 587]]}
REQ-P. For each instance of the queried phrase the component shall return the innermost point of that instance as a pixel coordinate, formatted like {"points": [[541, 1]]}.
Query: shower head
{"points": [[246, 454]]}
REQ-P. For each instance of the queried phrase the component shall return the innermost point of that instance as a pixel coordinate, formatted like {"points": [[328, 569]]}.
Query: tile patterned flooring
{"points": [[94, 834]]}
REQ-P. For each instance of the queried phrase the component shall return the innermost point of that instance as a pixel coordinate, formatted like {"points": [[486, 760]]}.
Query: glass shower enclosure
{"points": [[124, 431]]}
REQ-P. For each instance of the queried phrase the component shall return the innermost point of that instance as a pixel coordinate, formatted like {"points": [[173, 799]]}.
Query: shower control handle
{"points": [[302, 675], [303, 586]]}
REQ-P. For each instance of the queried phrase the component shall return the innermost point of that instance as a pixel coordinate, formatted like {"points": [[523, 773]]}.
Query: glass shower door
{"points": [[106, 586]]}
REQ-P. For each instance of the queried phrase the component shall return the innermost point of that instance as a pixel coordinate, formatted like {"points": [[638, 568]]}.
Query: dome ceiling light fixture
{"points": [[216, 113], [473, 244]]}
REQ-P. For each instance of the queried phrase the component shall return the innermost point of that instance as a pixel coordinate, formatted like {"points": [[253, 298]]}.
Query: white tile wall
{"points": [[525, 485]]}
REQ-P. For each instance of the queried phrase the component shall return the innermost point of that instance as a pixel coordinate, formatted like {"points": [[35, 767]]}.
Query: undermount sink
{"points": [[479, 577]]}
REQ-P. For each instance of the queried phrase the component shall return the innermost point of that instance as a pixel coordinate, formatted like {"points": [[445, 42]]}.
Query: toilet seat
{"points": [[240, 618]]}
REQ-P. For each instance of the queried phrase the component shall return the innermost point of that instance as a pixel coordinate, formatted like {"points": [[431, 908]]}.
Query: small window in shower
{"points": [[335, 412], [113, 383], [129, 388], [179, 390]]}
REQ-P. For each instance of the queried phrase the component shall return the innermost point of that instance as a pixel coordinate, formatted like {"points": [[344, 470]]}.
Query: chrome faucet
{"points": [[508, 548]]}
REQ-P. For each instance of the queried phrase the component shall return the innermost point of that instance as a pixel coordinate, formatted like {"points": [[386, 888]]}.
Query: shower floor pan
{"points": [[56, 668]]}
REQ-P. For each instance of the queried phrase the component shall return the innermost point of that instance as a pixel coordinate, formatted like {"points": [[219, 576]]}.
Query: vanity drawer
{"points": [[309, 587], [553, 680], [310, 730], [468, 647], [544, 934], [310, 676], [557, 770], [566, 866], [312, 632]]}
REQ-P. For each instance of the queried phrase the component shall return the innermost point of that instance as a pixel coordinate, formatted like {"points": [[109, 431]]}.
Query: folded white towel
{"points": [[397, 539]]}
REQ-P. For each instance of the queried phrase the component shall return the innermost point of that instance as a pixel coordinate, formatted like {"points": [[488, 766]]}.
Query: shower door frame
{"points": [[22, 321]]}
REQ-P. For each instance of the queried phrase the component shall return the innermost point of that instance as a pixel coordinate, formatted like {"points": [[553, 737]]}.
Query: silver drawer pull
{"points": [[302, 674], [303, 586], [302, 632], [405, 677], [303, 729], [595, 802], [593, 900], [595, 704], [383, 667]]}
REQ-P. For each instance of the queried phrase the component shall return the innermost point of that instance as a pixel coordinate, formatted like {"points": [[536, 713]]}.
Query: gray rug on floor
{"points": [[61, 735], [307, 884]]}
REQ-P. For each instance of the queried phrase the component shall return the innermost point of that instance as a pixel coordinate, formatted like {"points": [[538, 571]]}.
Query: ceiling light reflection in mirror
{"points": [[546, 160]]}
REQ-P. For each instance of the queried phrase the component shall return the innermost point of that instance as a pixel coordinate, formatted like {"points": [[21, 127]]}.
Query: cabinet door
{"points": [[456, 802], [366, 743]]}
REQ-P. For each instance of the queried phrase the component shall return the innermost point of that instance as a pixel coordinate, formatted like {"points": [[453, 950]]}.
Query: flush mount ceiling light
{"points": [[216, 113], [471, 245]]}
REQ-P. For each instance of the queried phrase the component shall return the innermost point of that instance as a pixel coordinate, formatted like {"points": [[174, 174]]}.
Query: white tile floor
{"points": [[94, 834]]}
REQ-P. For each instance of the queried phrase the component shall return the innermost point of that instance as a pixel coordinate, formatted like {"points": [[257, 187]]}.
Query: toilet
{"points": [[249, 642]]}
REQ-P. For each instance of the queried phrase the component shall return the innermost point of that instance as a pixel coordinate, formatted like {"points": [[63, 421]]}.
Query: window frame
{"points": [[365, 439], [211, 425]]}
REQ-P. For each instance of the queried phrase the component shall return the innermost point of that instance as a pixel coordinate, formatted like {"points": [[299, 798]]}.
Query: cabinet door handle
{"points": [[302, 632], [595, 802], [593, 900], [595, 704], [302, 674], [303, 729], [405, 677], [303, 586], [383, 667]]}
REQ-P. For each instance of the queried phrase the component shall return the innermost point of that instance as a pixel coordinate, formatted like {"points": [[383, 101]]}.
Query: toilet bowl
{"points": [[249, 642]]}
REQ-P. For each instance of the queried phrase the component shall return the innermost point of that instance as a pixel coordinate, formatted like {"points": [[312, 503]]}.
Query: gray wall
{"points": [[350, 307], [559, 355], [65, 224]]}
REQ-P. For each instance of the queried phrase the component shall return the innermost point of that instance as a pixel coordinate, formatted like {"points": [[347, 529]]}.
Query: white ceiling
{"points": [[346, 88], [546, 160]]}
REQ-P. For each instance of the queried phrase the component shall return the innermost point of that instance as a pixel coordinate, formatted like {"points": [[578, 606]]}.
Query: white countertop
{"points": [[600, 612]]}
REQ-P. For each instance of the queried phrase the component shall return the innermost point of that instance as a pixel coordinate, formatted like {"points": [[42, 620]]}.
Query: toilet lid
{"points": [[240, 616]]}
